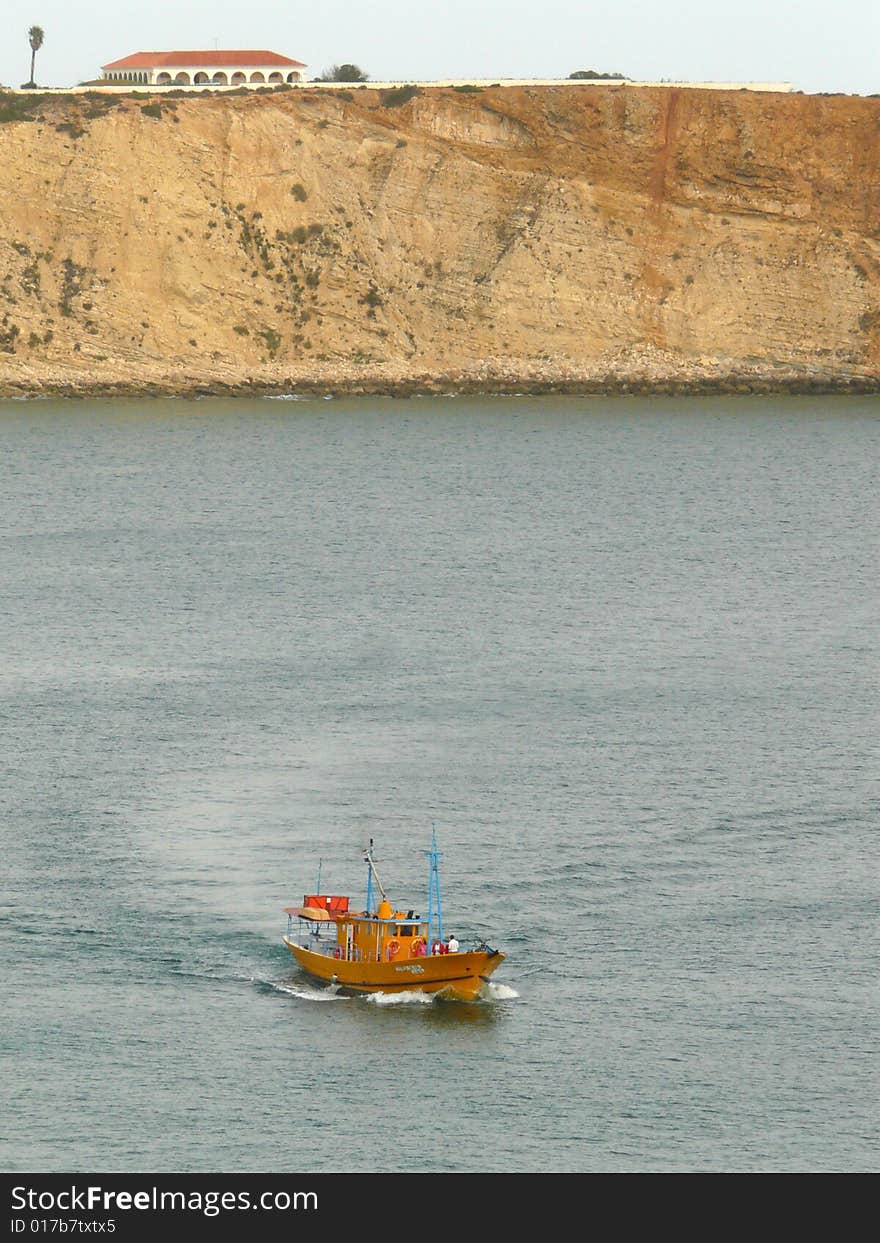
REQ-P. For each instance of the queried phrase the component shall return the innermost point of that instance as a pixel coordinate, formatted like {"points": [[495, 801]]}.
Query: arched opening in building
{"points": [[200, 77], [163, 79], [238, 77], [219, 78], [276, 77], [182, 79], [257, 77], [293, 77]]}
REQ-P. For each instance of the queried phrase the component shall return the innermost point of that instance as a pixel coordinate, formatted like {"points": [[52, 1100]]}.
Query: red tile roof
{"points": [[167, 60]]}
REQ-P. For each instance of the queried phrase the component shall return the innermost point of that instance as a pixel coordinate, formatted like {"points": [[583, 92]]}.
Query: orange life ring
{"points": [[392, 948], [419, 946]]}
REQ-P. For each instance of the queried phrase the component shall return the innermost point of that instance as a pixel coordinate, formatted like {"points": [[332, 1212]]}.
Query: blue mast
{"points": [[434, 888]]}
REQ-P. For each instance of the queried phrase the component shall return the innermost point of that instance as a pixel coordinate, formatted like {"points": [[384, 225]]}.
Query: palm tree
{"points": [[35, 38]]}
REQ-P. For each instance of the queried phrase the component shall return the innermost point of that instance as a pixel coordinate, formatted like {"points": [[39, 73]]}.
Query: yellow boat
{"points": [[386, 950]]}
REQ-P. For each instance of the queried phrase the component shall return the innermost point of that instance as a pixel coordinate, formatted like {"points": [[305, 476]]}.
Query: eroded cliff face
{"points": [[551, 235]]}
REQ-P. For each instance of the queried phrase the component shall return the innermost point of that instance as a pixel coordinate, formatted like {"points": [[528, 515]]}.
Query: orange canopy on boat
{"points": [[327, 901]]}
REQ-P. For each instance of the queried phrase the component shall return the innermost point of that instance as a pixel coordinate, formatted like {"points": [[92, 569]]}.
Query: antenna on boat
{"points": [[371, 875], [318, 884], [435, 856]]}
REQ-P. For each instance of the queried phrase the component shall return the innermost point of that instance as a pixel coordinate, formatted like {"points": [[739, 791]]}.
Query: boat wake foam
{"points": [[303, 992], [308, 992], [500, 992], [399, 999], [490, 992]]}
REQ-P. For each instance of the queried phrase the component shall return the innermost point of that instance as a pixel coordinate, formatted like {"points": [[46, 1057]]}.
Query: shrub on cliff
{"points": [[399, 95], [16, 108]]}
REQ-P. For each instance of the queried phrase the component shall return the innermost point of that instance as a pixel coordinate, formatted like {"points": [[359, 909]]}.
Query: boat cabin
{"points": [[327, 926]]}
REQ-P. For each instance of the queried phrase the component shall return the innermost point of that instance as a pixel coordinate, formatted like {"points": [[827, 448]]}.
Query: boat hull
{"points": [[461, 975]]}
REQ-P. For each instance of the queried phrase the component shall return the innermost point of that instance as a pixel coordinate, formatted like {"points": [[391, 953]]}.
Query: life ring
{"points": [[337, 953], [419, 946], [392, 948]]}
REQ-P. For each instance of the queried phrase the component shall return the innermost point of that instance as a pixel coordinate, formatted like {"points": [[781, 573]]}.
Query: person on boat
{"points": [[452, 945]]}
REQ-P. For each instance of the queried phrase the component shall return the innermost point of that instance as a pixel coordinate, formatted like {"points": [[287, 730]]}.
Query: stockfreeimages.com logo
{"points": [[209, 1203]]}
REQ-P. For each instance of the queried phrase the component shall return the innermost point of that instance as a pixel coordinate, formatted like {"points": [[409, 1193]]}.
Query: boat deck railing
{"points": [[328, 946], [331, 949], [326, 943]]}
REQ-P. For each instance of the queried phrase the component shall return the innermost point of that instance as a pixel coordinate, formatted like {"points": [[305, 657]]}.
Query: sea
{"points": [[620, 655]]}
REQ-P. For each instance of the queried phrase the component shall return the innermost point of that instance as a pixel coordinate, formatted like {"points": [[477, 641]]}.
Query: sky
{"points": [[817, 45]]}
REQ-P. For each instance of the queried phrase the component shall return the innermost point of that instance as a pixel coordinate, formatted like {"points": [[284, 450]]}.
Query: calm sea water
{"points": [[623, 654]]}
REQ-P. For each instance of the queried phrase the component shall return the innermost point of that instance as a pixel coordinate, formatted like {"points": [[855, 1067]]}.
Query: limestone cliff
{"points": [[582, 237]]}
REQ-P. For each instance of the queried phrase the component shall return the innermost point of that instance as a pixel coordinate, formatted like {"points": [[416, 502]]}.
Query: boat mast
{"points": [[371, 875], [434, 888]]}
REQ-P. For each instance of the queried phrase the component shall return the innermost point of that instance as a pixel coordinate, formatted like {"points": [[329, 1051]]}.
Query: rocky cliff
{"points": [[574, 237]]}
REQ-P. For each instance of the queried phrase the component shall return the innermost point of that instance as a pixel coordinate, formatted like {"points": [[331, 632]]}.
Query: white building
{"points": [[217, 68]]}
